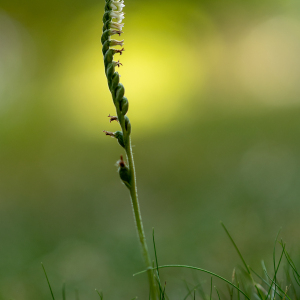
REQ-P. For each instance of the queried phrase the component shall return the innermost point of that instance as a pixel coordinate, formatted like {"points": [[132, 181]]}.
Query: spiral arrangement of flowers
{"points": [[113, 25]]}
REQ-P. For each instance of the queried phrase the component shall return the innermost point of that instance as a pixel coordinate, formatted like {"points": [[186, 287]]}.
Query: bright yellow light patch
{"points": [[268, 61], [158, 73]]}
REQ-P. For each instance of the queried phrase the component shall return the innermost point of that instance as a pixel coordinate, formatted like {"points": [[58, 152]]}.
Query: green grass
{"points": [[282, 284], [267, 287]]}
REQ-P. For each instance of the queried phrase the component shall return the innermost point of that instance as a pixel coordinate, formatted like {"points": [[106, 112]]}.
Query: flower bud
{"points": [[107, 16], [106, 26], [105, 47], [119, 137], [110, 70], [124, 173], [109, 55], [105, 36], [120, 90], [124, 106], [127, 125], [114, 81], [107, 6]]}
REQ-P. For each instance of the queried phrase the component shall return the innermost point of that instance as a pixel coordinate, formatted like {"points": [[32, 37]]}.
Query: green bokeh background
{"points": [[214, 100]]}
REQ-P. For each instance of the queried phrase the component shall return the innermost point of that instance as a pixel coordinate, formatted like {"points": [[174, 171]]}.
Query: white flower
{"points": [[112, 31], [117, 26], [116, 43], [117, 15], [117, 6]]}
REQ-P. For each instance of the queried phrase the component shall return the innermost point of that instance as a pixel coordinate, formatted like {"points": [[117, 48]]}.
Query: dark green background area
{"points": [[62, 203]]}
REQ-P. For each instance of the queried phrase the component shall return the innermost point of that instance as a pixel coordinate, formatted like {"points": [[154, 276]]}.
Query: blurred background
{"points": [[214, 97]]}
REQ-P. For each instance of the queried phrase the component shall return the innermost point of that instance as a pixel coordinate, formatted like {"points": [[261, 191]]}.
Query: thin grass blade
{"points": [[274, 256], [189, 293], [217, 293], [263, 280], [48, 281], [276, 270], [100, 294], [198, 269], [236, 248]]}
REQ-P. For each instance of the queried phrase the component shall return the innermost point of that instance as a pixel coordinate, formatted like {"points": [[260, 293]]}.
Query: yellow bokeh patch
{"points": [[159, 72]]}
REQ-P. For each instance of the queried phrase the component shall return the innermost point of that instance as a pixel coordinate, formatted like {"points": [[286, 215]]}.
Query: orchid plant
{"points": [[112, 19]]}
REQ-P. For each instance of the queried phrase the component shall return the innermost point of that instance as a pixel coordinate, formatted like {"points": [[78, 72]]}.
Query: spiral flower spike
{"points": [[112, 25]]}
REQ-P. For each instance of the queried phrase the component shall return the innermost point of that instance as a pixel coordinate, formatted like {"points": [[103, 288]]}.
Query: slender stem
{"points": [[139, 223]]}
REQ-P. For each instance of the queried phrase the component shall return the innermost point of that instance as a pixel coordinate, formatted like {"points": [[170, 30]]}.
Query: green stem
{"points": [[139, 224]]}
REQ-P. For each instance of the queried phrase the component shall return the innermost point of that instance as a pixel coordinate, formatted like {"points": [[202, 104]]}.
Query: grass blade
{"points": [[156, 261], [236, 248], [276, 271], [291, 263], [289, 279], [187, 287], [100, 294], [263, 280], [274, 258], [154, 246], [217, 293], [198, 269], [164, 292], [48, 281], [231, 289], [190, 291], [201, 291]]}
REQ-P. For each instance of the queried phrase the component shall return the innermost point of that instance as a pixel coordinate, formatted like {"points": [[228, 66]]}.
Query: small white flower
{"points": [[116, 43], [116, 5], [117, 26], [117, 15], [112, 31]]}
